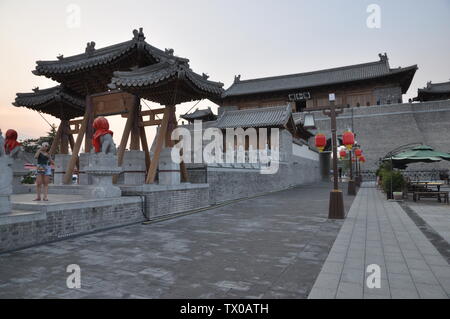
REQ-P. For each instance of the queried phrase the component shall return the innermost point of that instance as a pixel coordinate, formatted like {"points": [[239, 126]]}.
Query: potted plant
{"points": [[393, 183]]}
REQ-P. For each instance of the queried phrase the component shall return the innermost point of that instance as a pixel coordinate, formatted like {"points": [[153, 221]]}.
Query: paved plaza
{"points": [[271, 246], [380, 232]]}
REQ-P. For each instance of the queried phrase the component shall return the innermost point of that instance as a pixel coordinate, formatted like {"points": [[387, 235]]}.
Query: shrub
{"points": [[397, 178]]}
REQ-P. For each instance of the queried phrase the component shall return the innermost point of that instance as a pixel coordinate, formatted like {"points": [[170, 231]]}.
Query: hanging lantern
{"points": [[349, 140], [321, 142], [358, 152], [342, 153], [362, 159]]}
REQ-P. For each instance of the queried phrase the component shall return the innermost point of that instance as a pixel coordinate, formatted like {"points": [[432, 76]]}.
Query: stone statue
{"points": [[2, 144], [102, 140], [102, 161], [12, 147], [6, 178]]}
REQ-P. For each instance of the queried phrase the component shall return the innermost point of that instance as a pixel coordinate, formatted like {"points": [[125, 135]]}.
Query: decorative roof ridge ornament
{"points": [[90, 48], [138, 35], [383, 57], [237, 78], [169, 51], [60, 57], [205, 76], [36, 89], [429, 84]]}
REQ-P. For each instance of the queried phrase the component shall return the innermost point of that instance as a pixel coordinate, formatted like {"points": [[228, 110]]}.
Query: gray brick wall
{"points": [[65, 223], [382, 128]]}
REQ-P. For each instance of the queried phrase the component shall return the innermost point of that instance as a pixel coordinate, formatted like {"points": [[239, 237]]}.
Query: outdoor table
{"points": [[426, 184]]}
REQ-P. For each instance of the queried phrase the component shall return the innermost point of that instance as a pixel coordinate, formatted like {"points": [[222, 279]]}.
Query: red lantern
{"points": [[321, 142], [362, 159], [358, 152], [349, 139], [342, 153]]}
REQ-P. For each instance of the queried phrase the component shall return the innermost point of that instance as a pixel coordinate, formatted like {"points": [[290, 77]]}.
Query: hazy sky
{"points": [[254, 38]]}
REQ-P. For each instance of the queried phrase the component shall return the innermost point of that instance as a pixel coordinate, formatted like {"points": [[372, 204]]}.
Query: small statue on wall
{"points": [[102, 140], [2, 144], [12, 147]]}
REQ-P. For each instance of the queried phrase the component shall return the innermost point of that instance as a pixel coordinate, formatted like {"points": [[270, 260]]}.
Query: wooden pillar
{"points": [[64, 137], [57, 139], [76, 149], [162, 134], [144, 144], [90, 121], [135, 133], [126, 134]]}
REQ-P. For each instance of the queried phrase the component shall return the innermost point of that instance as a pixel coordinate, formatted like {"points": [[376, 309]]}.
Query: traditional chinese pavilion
{"points": [[111, 80], [434, 92]]}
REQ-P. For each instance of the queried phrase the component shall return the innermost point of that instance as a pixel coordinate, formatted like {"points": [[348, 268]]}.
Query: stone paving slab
{"points": [[377, 231], [267, 247], [436, 215]]}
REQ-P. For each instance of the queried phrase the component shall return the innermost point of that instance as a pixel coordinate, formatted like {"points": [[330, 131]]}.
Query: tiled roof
{"points": [[160, 73], [97, 57], [318, 78], [443, 87], [258, 117], [198, 114], [55, 101]]}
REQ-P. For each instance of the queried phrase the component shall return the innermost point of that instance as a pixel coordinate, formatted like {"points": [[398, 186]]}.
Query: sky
{"points": [[254, 38]]}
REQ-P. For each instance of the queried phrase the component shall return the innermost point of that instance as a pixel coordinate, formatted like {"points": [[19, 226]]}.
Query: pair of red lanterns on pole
{"points": [[348, 140]]}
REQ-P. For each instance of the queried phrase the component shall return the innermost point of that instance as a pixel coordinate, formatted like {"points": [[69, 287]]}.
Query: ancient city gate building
{"points": [[372, 83]]}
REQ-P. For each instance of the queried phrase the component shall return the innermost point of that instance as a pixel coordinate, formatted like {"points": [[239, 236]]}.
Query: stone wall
{"points": [[382, 128], [160, 200], [69, 220]]}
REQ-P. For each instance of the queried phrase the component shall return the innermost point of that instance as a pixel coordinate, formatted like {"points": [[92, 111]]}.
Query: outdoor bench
{"points": [[432, 194]]}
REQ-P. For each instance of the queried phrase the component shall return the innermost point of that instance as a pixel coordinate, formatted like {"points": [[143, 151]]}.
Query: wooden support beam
{"points": [[151, 123], [135, 132], [56, 140], [125, 136], [145, 147], [76, 149], [159, 144], [90, 122], [64, 138]]}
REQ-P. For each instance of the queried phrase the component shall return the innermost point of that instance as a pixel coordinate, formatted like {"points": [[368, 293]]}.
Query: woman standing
{"points": [[44, 171]]}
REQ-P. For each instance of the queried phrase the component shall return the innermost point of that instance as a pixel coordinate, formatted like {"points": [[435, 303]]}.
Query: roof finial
{"points": [[428, 84], [36, 89], [205, 76], [60, 57], [138, 35], [383, 57], [237, 78], [169, 51], [90, 48]]}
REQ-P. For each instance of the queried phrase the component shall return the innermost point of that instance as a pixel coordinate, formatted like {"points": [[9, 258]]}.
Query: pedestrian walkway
{"points": [[377, 231], [435, 215]]}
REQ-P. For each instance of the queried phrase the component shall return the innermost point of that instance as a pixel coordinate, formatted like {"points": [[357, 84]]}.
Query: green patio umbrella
{"points": [[418, 154]]}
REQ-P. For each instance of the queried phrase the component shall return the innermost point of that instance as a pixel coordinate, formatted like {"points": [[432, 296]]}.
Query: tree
{"points": [[31, 145]]}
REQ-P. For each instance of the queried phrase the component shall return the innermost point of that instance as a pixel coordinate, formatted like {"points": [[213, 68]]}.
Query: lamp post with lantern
{"points": [[336, 204]]}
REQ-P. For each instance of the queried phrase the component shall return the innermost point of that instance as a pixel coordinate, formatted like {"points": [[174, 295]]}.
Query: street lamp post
{"points": [[336, 205]]}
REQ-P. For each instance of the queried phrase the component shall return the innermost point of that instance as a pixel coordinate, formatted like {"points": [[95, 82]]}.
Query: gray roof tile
{"points": [[317, 78], [258, 117]]}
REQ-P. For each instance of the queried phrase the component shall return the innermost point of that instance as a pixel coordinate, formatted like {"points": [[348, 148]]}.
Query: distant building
{"points": [[434, 92], [372, 83], [204, 115]]}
